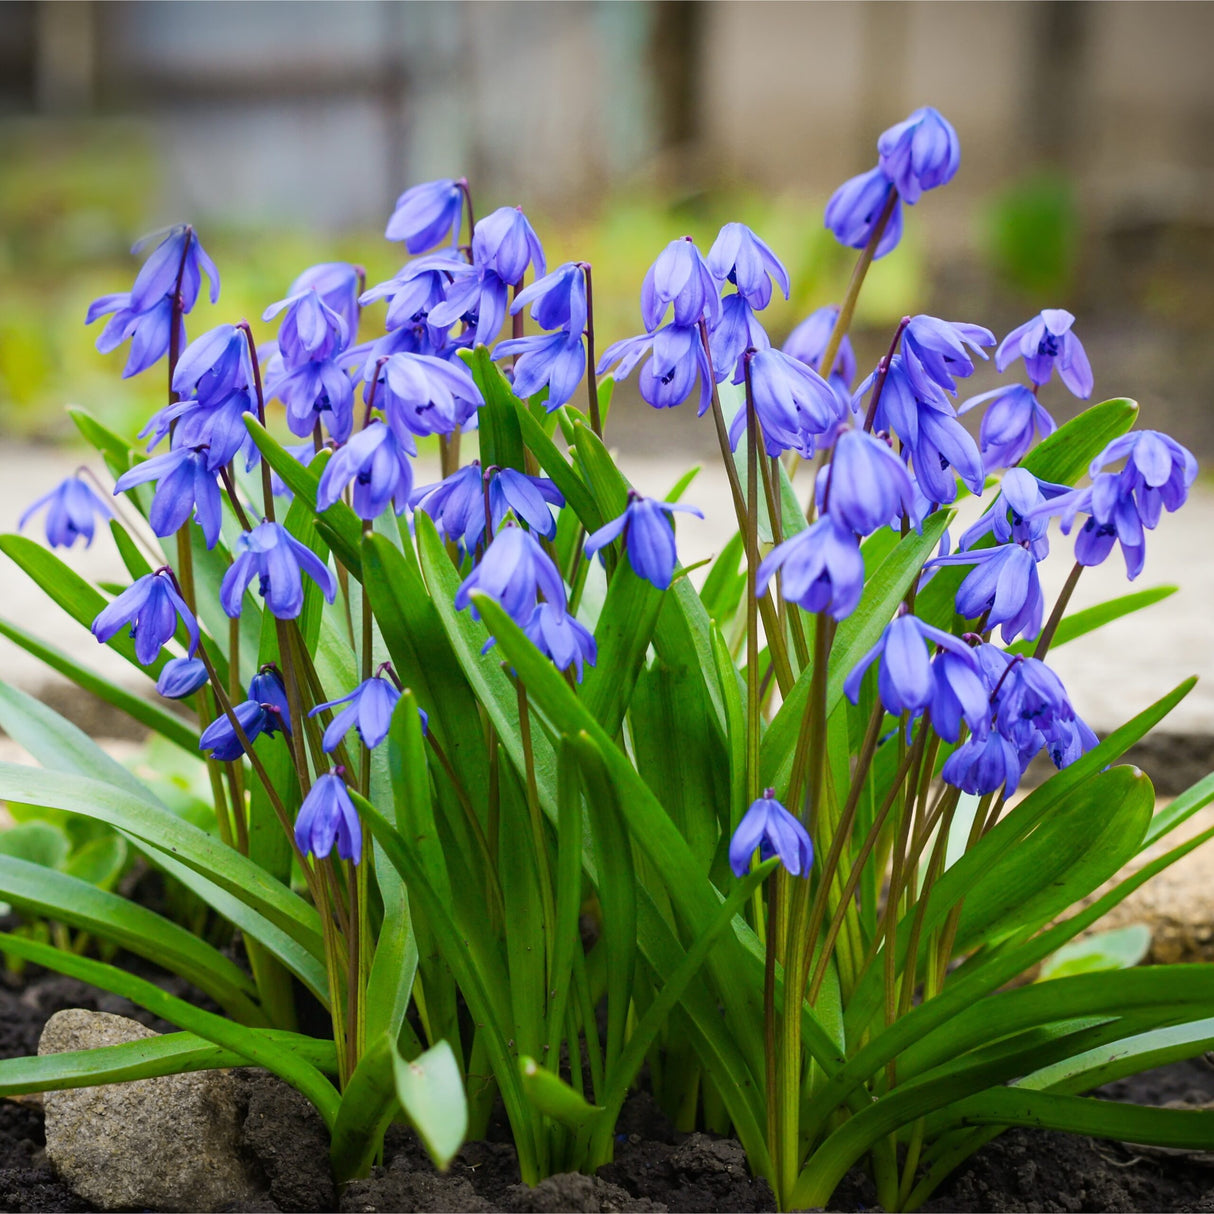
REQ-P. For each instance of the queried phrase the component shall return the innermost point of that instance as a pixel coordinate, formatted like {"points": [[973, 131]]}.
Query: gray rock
{"points": [[169, 1143]]}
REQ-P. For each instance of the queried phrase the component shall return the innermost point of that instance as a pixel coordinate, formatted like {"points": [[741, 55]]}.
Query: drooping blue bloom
{"points": [[679, 362], [934, 351], [72, 507], [1031, 706], [809, 339], [867, 485], [1158, 471], [221, 739], [556, 361], [328, 816], [214, 366], [920, 153], [1021, 495], [821, 568], [768, 826], [186, 487], [856, 207], [648, 537], [530, 497], [795, 406], [960, 695], [1113, 518], [368, 709], [505, 243], [422, 394], [740, 257], [425, 215], [477, 299], [1004, 587], [278, 560], [1070, 740], [905, 679], [456, 504], [558, 300], [178, 257], [419, 286], [513, 571], [180, 677], [319, 391], [379, 466], [984, 765], [736, 330], [149, 331], [1009, 425], [337, 284], [220, 428], [680, 277], [311, 331], [1044, 342], [558, 635], [152, 608], [267, 689]]}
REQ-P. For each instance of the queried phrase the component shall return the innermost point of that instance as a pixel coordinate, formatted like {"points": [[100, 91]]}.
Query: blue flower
{"points": [[1004, 587], [219, 428], [795, 406], [266, 688], [558, 300], [71, 509], [867, 485], [418, 286], [1021, 495], [1031, 706], [178, 254], [1158, 471], [276, 558], [187, 486], [148, 331], [736, 330], [1114, 518], [456, 504], [336, 282], [680, 276], [1009, 425], [530, 497], [935, 350], [426, 215], [768, 826], [558, 635], [669, 377], [856, 206], [506, 244], [556, 361], [1044, 342], [960, 695], [214, 366], [740, 257], [983, 765], [920, 153], [648, 537], [477, 298], [220, 736], [1070, 741], [152, 608], [422, 394], [379, 466], [311, 331], [327, 816], [808, 341], [368, 708], [180, 677], [313, 392], [513, 571], [821, 568]]}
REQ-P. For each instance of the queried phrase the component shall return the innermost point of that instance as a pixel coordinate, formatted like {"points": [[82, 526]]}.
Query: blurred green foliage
{"points": [[1031, 231]]}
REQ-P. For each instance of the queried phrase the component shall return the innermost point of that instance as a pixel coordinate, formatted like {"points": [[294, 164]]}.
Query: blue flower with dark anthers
{"points": [[1031, 707], [984, 765], [336, 282], [368, 709], [152, 607], [866, 484], [214, 366], [328, 816], [1004, 587], [506, 243], [1158, 471], [220, 736], [421, 394], [267, 689], [379, 467], [71, 509], [530, 497], [935, 351], [1009, 426], [679, 362], [648, 536], [809, 339], [740, 257], [311, 331], [556, 361], [680, 276], [1071, 740], [157, 277], [219, 428], [180, 677], [795, 406], [149, 331], [559, 637], [856, 206], [905, 679], [513, 571], [558, 300], [426, 215], [737, 330], [313, 392], [1114, 518], [1021, 494], [1044, 342], [277, 559], [456, 504], [768, 826], [187, 487], [418, 286], [920, 153], [821, 569], [960, 695], [476, 297]]}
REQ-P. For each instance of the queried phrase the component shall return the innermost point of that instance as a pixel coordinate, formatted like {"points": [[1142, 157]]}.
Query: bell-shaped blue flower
{"points": [[920, 153], [456, 504], [267, 689], [1158, 471], [1070, 740], [149, 331], [477, 299], [556, 361], [220, 737], [425, 215], [768, 826], [418, 286], [313, 392], [421, 394], [1046, 342], [180, 677], [337, 284], [678, 364], [327, 816], [808, 342], [558, 635], [821, 568], [1010, 425], [1113, 518], [152, 608], [311, 331], [1004, 587], [679, 277], [1014, 514], [856, 207], [557, 300], [380, 468], [272, 555], [186, 487], [960, 695], [984, 765], [513, 571], [867, 485], [214, 366], [795, 406], [506, 243], [72, 508], [177, 257], [648, 537], [740, 257], [368, 709], [530, 497], [934, 351], [736, 330]]}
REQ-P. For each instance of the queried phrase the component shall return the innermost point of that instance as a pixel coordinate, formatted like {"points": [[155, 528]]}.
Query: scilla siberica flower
{"points": [[560, 638], [337, 284], [866, 484], [272, 555], [648, 537], [1158, 471], [808, 342], [1013, 514], [934, 351], [186, 487], [457, 503], [960, 695], [1004, 588], [265, 711], [368, 709], [821, 568], [736, 330], [310, 331], [180, 677], [740, 257], [72, 507], [417, 287], [214, 366], [425, 215], [378, 464], [1030, 700], [513, 571], [421, 394], [1046, 342], [679, 277], [1113, 518], [984, 765], [505, 243], [152, 608], [795, 405], [919, 153], [768, 826], [856, 207], [1015, 417], [670, 376], [327, 816], [315, 391]]}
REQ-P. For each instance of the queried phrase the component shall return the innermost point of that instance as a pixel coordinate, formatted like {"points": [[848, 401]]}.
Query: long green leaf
{"points": [[365, 1112], [432, 1096]]}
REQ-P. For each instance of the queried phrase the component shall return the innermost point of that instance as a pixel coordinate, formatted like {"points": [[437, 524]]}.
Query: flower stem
{"points": [[883, 374], [592, 387], [267, 485]]}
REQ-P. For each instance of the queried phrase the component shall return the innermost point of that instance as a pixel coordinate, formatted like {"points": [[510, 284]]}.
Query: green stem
{"points": [[538, 841]]}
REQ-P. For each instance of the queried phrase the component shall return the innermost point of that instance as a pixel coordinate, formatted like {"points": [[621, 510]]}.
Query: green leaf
{"points": [[365, 1112], [553, 1097], [132, 555], [1063, 457], [432, 1095], [35, 843], [498, 421], [1119, 949], [577, 497], [1168, 817], [99, 862]]}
